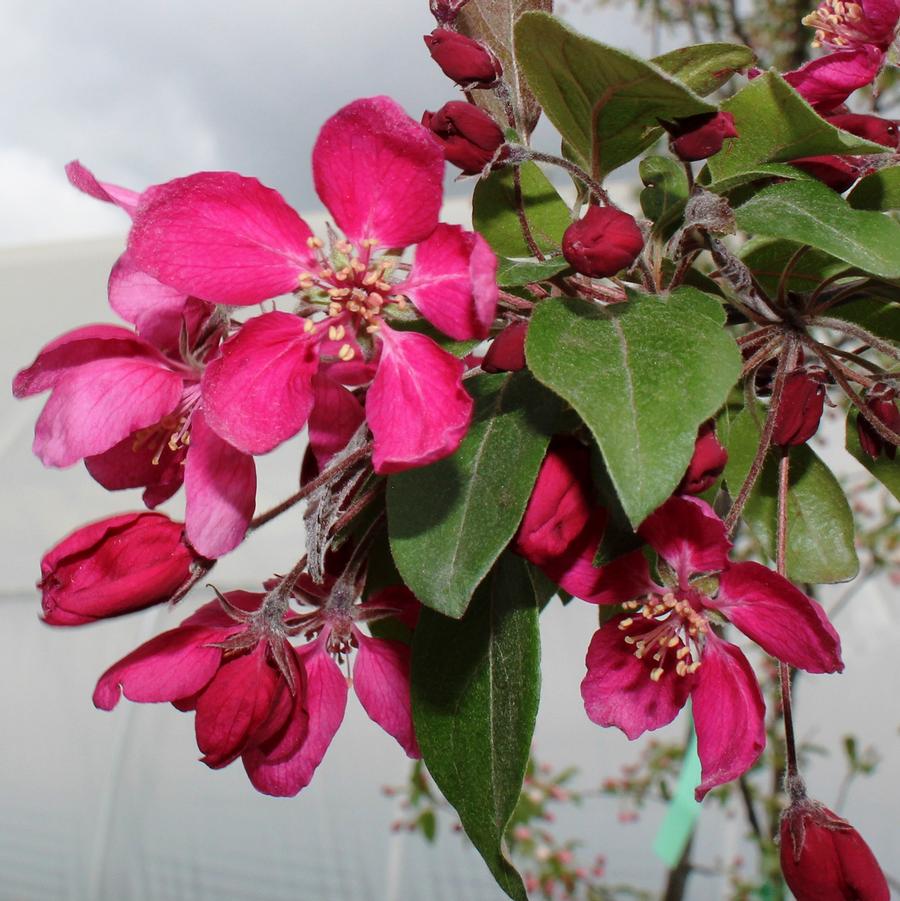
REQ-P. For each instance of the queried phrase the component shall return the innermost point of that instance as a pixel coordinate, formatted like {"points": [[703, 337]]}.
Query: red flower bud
{"points": [[697, 137], [801, 406], [462, 59], [872, 128], [824, 858], [881, 401], [603, 242], [470, 136], [507, 350], [707, 464], [114, 566], [446, 11], [561, 504], [838, 172]]}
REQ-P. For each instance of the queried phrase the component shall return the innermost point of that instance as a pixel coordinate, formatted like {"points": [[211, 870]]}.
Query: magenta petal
{"points": [[336, 417], [220, 484], [779, 617], [221, 237], [729, 714], [379, 173], [170, 666], [326, 700], [827, 81], [258, 393], [618, 690], [130, 464], [453, 282], [101, 403], [688, 535], [417, 407], [83, 179], [234, 705], [624, 579], [381, 681]]}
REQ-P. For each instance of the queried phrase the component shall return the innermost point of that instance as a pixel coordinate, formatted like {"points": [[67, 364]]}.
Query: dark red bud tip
{"points": [[603, 242], [837, 172], [697, 137], [823, 858], [800, 408], [462, 59], [707, 464], [471, 138], [872, 128], [507, 350], [882, 401], [446, 11], [114, 566]]}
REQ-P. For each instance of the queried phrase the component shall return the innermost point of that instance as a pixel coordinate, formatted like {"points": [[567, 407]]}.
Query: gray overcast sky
{"points": [[145, 91]]}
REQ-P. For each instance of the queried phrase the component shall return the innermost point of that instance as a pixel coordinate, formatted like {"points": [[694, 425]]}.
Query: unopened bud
{"points": [[872, 128], [800, 408], [507, 350], [446, 11], [838, 172], [697, 137], [707, 464], [823, 858], [881, 400], [603, 242], [463, 60], [471, 138]]}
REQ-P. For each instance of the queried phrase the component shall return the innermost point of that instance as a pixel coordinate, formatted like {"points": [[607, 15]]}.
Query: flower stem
{"points": [[573, 169]]}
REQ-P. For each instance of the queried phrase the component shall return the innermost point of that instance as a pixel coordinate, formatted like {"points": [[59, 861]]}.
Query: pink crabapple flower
{"points": [[846, 24], [643, 665], [827, 81], [230, 240]]}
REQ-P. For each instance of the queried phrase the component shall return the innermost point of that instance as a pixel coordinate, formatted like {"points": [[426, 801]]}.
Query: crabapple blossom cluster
{"points": [[568, 399]]}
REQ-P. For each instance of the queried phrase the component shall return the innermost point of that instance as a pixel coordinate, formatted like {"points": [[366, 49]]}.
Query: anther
{"points": [[657, 674], [314, 243], [626, 623], [336, 333], [346, 353]]}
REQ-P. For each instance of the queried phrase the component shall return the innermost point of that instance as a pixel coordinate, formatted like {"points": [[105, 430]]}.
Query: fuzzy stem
{"points": [[573, 169], [861, 334], [524, 225]]}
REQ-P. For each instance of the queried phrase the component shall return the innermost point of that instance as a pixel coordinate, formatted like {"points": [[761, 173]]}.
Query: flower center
{"points": [[838, 23], [173, 431], [665, 628]]}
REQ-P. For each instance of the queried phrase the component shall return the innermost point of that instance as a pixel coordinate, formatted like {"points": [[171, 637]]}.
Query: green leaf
{"points": [[768, 257], [492, 21], [879, 317], [704, 68], [494, 211], [878, 191], [449, 521], [643, 375], [776, 125], [475, 692], [808, 212], [605, 103], [515, 273], [887, 471], [820, 545], [665, 191]]}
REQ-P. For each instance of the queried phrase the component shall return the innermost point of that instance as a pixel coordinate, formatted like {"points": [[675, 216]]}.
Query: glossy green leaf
{"points": [[475, 692], [884, 469], [820, 545], [704, 68], [767, 259], [643, 375], [808, 212], [515, 273], [605, 103], [776, 125], [878, 191], [492, 21], [449, 521], [494, 212]]}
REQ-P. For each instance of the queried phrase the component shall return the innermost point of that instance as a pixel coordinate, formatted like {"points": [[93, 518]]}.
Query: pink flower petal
{"points": [[827, 81], [220, 485], [381, 680], [453, 282], [170, 666], [221, 237], [258, 393], [335, 419], [130, 464], [688, 535], [83, 179], [379, 173], [417, 407], [618, 690], [234, 705], [99, 404], [779, 617], [326, 700], [622, 580], [729, 714]]}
